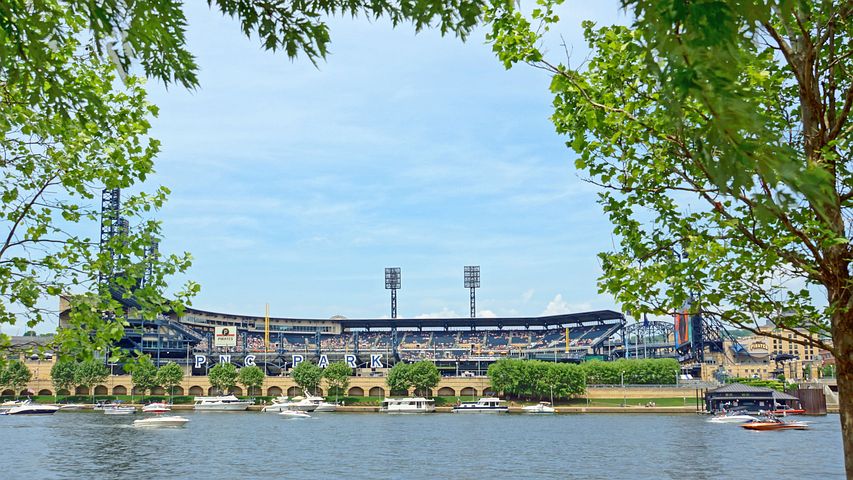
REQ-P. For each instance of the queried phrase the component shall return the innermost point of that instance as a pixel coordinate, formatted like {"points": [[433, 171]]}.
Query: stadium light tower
{"points": [[472, 282], [392, 282]]}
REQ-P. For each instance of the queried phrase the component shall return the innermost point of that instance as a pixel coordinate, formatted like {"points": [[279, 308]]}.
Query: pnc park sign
{"points": [[376, 360]]}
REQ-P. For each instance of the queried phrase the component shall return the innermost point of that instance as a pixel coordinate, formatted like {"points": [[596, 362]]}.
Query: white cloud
{"points": [[444, 313], [526, 296], [558, 306], [486, 314]]}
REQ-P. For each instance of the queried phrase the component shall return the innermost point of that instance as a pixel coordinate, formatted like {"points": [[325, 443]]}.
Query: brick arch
{"points": [[81, 390], [489, 392], [376, 392], [446, 392], [63, 391], [119, 390], [294, 391], [45, 392], [177, 390], [468, 392], [236, 391], [101, 390], [356, 392], [212, 392], [8, 393], [274, 391], [196, 391], [158, 391]]}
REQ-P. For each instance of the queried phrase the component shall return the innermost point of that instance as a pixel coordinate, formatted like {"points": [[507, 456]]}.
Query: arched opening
{"points": [[119, 390], [236, 391], [399, 393], [377, 392], [81, 391], [468, 392], [274, 391], [101, 390], [294, 392], [424, 393], [26, 392], [177, 391], [489, 392], [45, 392], [319, 392], [196, 391], [446, 392], [212, 392], [356, 392], [63, 392], [158, 391], [8, 393]]}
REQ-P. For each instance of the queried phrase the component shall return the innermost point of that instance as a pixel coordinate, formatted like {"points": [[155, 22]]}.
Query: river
{"points": [[254, 445]]}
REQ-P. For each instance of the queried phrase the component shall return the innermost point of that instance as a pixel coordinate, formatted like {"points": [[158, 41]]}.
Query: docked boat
{"points": [[157, 407], [71, 406], [103, 405], [119, 410], [30, 408], [408, 405], [483, 405], [294, 414], [775, 424], [9, 404], [161, 421], [788, 411], [226, 403], [541, 407], [732, 417], [321, 405], [281, 404]]}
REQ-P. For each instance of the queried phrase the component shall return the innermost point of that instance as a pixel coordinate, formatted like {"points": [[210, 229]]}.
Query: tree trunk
{"points": [[845, 398]]}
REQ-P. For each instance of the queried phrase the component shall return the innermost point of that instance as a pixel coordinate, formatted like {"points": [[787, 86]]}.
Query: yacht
{"points": [[227, 402], [294, 414], [119, 410], [541, 407], [161, 421], [30, 408], [732, 417], [5, 406], [281, 404], [71, 406], [483, 405], [321, 405], [156, 407], [408, 405]]}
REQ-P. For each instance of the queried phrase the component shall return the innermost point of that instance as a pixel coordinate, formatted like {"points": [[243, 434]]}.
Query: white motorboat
{"points": [[483, 405], [102, 405], [541, 407], [294, 414], [321, 405], [408, 405], [5, 406], [119, 410], [226, 403], [30, 408], [281, 404], [732, 418], [71, 406], [161, 421], [157, 407]]}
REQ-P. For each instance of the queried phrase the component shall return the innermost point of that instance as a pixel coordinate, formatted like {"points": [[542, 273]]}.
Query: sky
{"points": [[296, 185]]}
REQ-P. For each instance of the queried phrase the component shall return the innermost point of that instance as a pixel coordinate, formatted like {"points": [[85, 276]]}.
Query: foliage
{"points": [[755, 382], [63, 374], [657, 371], [720, 136], [308, 376], [143, 374], [424, 376], [15, 375], [534, 378], [337, 376], [399, 377], [223, 376], [90, 373], [828, 371], [169, 376], [252, 377]]}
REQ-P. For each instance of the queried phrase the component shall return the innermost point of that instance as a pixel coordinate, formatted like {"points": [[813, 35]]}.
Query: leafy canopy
{"points": [[308, 376], [223, 376]]}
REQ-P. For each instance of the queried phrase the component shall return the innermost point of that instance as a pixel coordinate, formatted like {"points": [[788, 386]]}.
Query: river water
{"points": [[252, 445]]}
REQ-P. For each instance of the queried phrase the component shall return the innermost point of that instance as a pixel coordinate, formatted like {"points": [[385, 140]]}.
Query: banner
{"points": [[224, 337]]}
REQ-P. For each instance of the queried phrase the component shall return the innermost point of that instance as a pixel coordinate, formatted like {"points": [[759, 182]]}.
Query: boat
{"points": [[71, 406], [772, 423], [788, 411], [119, 410], [321, 405], [156, 407], [408, 405], [541, 407], [227, 403], [30, 408], [297, 403], [294, 414], [483, 405], [732, 417], [161, 421], [103, 405], [5, 406]]}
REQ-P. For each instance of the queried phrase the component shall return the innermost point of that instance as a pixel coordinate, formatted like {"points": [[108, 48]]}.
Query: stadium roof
{"points": [[498, 322]]}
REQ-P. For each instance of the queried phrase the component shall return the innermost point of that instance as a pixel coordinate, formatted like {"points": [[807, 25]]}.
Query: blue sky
{"points": [[295, 186]]}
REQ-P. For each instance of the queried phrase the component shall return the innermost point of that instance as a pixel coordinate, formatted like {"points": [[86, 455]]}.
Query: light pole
{"points": [[624, 395]]}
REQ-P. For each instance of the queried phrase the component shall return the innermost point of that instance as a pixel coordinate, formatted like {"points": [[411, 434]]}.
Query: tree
{"points": [[424, 376], [90, 373], [252, 377], [399, 377], [308, 376], [143, 374], [337, 376], [170, 376], [223, 377], [719, 135], [15, 375], [62, 373]]}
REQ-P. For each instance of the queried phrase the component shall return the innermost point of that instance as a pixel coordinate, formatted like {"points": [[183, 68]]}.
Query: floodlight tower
{"points": [[110, 216], [392, 282], [472, 282]]}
